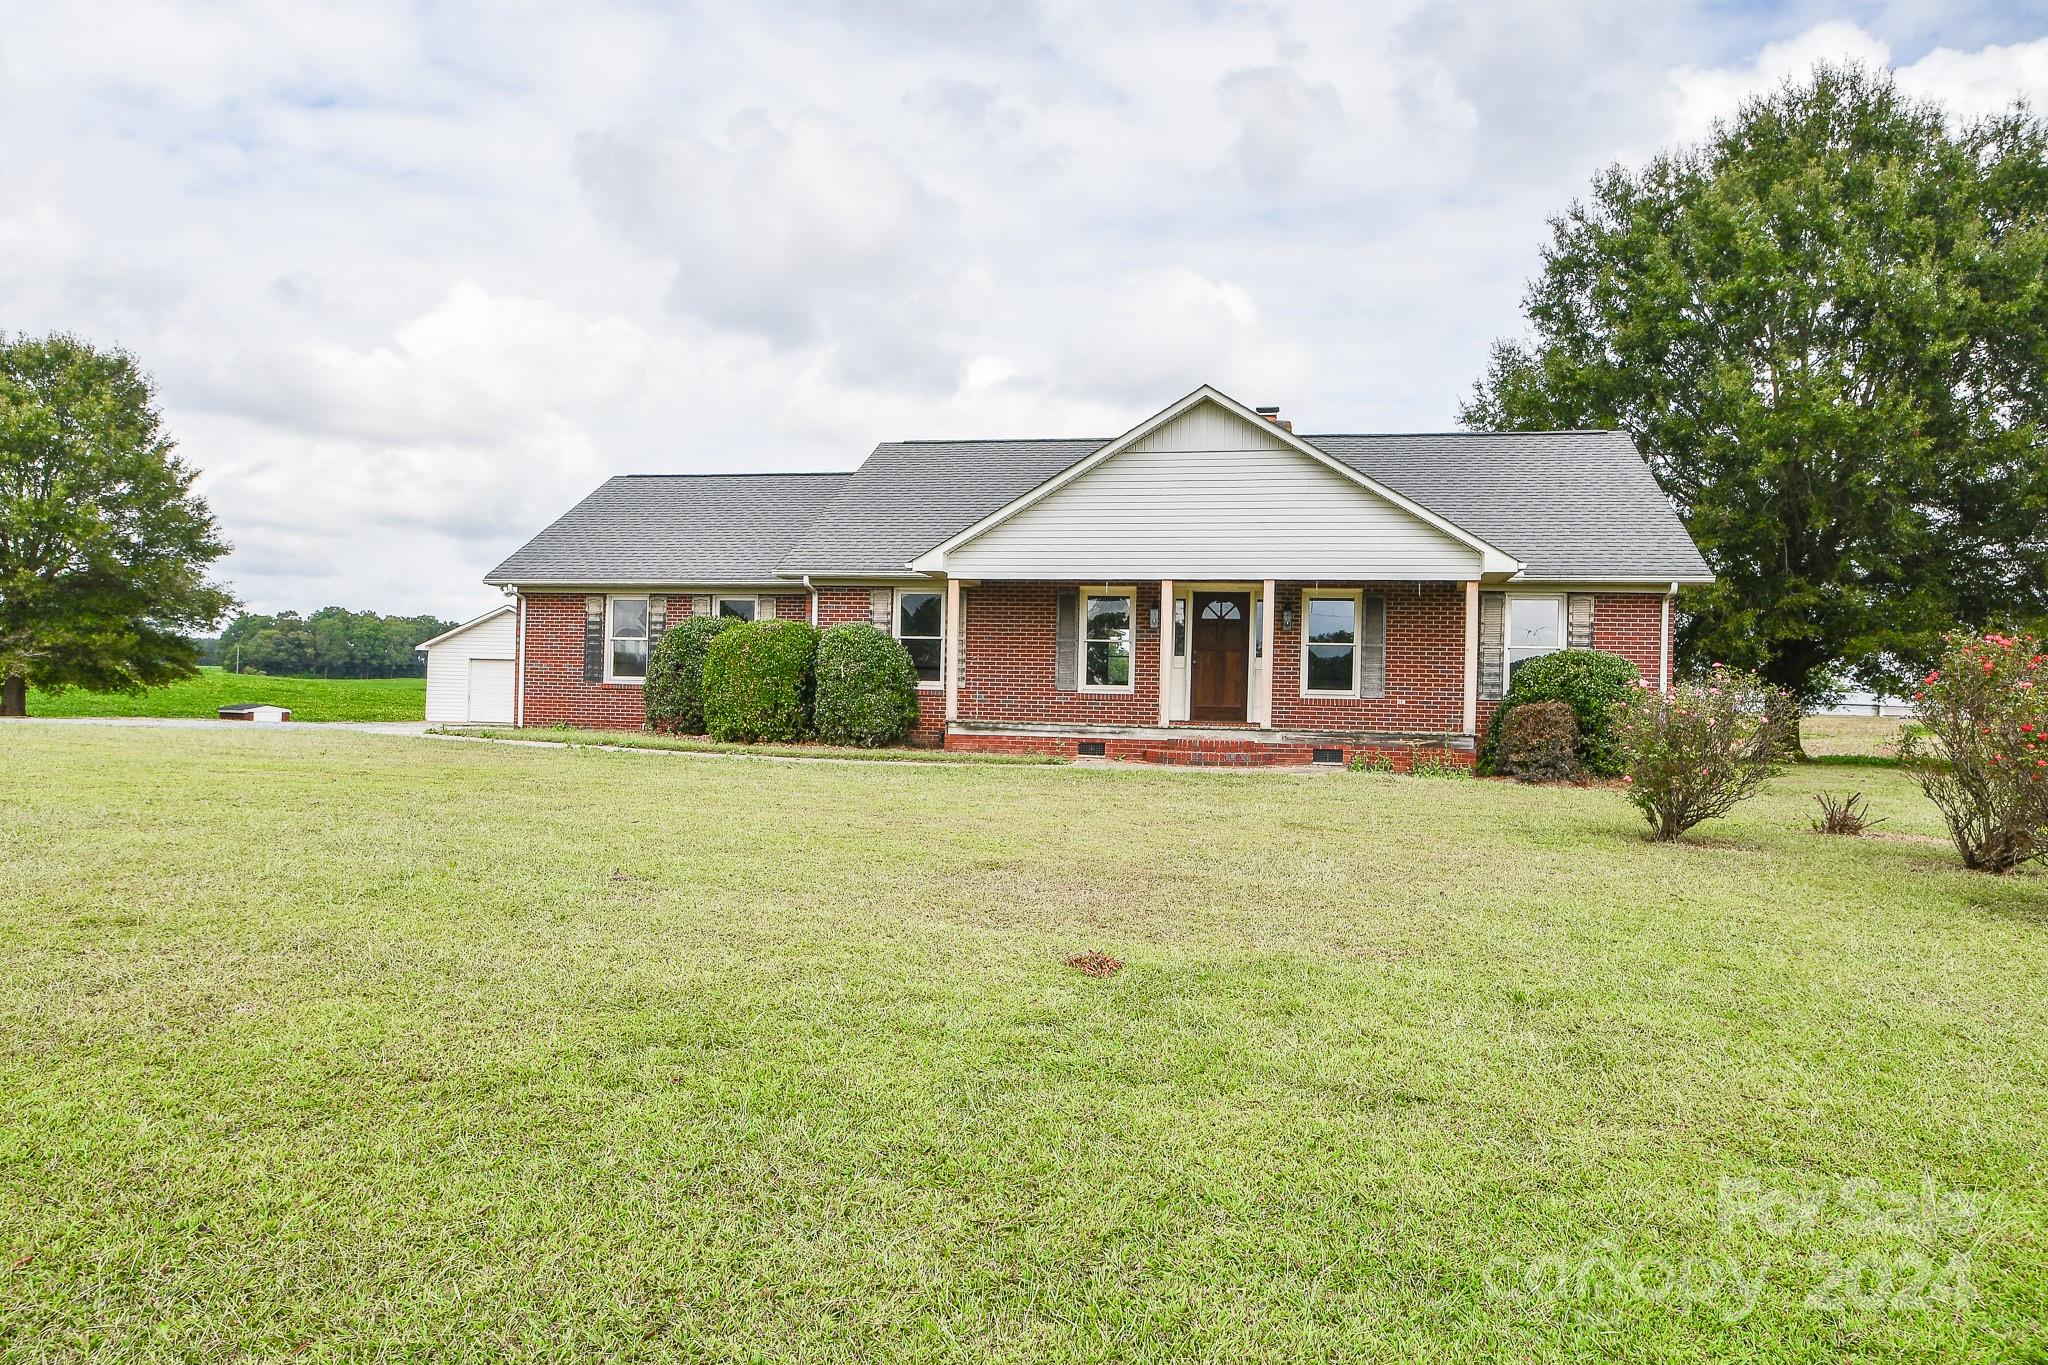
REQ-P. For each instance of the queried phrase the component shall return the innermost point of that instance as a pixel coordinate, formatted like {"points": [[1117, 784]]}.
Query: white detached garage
{"points": [[469, 671]]}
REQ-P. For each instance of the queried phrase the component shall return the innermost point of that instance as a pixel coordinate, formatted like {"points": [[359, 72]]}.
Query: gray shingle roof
{"points": [[1569, 504], [681, 529], [910, 495]]}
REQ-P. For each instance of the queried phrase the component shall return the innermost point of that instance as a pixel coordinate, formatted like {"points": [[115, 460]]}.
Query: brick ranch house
{"points": [[1208, 587]]}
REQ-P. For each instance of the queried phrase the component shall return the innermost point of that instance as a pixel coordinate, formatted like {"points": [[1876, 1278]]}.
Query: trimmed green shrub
{"points": [[757, 682], [866, 688], [674, 692], [1539, 742], [1591, 682]]}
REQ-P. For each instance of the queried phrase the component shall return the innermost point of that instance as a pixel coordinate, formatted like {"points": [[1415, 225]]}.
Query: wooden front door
{"points": [[1222, 656]]}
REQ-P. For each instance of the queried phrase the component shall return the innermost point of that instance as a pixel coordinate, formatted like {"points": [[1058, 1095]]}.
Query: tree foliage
{"points": [[1827, 329], [333, 642], [104, 549]]}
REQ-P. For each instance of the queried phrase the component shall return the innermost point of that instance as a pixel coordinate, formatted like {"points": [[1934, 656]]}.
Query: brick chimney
{"points": [[1273, 415]]}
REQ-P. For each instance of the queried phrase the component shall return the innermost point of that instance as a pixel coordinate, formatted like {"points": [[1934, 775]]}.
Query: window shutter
{"points": [[764, 607], [1066, 641], [700, 605], [657, 622], [1372, 647], [881, 607], [1493, 612], [1578, 621], [593, 639]]}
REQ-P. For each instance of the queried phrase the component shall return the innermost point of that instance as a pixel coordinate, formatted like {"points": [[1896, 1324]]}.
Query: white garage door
{"points": [[490, 691]]}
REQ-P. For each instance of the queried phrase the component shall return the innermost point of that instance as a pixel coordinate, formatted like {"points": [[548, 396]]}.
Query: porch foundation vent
{"points": [[1093, 748], [1326, 756]]}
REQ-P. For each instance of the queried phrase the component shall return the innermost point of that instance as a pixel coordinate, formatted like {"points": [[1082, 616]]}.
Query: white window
{"points": [[625, 645], [1535, 628], [738, 608], [1343, 644], [920, 625], [1329, 645], [1106, 640]]}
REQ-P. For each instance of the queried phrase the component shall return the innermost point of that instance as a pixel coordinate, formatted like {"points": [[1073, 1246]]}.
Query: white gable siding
{"points": [[448, 671], [1205, 426], [1226, 513]]}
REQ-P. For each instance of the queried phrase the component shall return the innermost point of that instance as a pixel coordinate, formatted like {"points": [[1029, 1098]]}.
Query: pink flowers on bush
{"points": [[1980, 747], [1692, 755]]}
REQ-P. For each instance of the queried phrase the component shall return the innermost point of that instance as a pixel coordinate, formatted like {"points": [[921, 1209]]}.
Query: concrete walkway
{"points": [[368, 727]]}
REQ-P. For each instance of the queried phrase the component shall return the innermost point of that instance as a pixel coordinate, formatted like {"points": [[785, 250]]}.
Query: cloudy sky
{"points": [[413, 278]]}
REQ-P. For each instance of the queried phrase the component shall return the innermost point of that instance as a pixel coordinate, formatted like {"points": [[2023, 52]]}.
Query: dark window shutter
{"points": [[593, 639], [1493, 625], [1578, 621], [1066, 641], [657, 622], [881, 608], [1372, 646]]}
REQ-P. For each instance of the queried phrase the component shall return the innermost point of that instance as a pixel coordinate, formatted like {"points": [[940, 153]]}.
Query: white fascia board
{"points": [[1492, 559], [474, 621]]}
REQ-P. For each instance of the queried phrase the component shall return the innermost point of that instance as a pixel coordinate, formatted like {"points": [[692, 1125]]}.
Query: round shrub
{"points": [[866, 688], [1590, 681], [674, 692], [757, 682], [1697, 753], [1539, 742], [1979, 748]]}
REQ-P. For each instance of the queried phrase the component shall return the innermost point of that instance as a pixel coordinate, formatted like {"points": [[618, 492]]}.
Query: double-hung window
{"points": [[1535, 627], [1343, 644], [625, 646], [1106, 641], [920, 625], [738, 608]]}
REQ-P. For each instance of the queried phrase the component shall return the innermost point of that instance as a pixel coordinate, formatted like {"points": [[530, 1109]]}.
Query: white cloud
{"points": [[415, 277]]}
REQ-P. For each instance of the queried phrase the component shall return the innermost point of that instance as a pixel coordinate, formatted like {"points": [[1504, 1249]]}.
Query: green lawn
{"points": [[320, 1045], [309, 698]]}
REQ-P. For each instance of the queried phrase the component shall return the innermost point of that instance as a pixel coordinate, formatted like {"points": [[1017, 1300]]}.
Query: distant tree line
{"points": [[333, 642]]}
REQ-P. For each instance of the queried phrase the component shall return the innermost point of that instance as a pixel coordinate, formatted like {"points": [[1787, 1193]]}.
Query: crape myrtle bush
{"points": [[757, 682], [1693, 754], [866, 687], [1590, 681], [1539, 743], [1978, 750], [674, 691]]}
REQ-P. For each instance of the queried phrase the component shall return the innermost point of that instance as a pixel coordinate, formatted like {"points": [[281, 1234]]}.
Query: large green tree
{"points": [[1826, 327], [104, 549]]}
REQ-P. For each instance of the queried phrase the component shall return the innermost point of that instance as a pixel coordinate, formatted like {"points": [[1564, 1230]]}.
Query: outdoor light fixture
{"points": [[1287, 617], [1152, 618]]}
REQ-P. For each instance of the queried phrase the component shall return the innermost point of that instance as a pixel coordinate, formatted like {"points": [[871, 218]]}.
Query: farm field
{"points": [[531, 1053], [310, 699]]}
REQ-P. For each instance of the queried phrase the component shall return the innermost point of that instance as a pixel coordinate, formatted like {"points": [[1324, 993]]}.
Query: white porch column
{"points": [[1165, 651], [1472, 657], [950, 668], [1266, 652]]}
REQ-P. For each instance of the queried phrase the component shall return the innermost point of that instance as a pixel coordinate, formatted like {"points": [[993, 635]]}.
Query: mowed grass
{"points": [[359, 699], [327, 1045]]}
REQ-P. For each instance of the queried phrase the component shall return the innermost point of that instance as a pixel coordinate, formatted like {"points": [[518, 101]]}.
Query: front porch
{"points": [[1194, 745]]}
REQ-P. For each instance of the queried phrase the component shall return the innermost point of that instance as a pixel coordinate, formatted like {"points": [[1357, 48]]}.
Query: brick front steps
{"points": [[1201, 747]]}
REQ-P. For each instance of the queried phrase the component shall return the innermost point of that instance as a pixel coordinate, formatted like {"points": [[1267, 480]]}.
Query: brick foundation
{"points": [[1204, 751]]}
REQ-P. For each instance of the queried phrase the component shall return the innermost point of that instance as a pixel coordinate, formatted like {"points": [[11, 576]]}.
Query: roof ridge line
{"points": [[752, 474], [1391, 435]]}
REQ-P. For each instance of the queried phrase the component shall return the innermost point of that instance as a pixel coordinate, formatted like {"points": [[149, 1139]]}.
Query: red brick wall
{"points": [[554, 690], [1008, 674], [1425, 691], [1631, 624]]}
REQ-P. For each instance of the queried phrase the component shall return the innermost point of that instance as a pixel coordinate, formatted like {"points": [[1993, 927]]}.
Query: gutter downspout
{"points": [[813, 591], [1664, 639]]}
